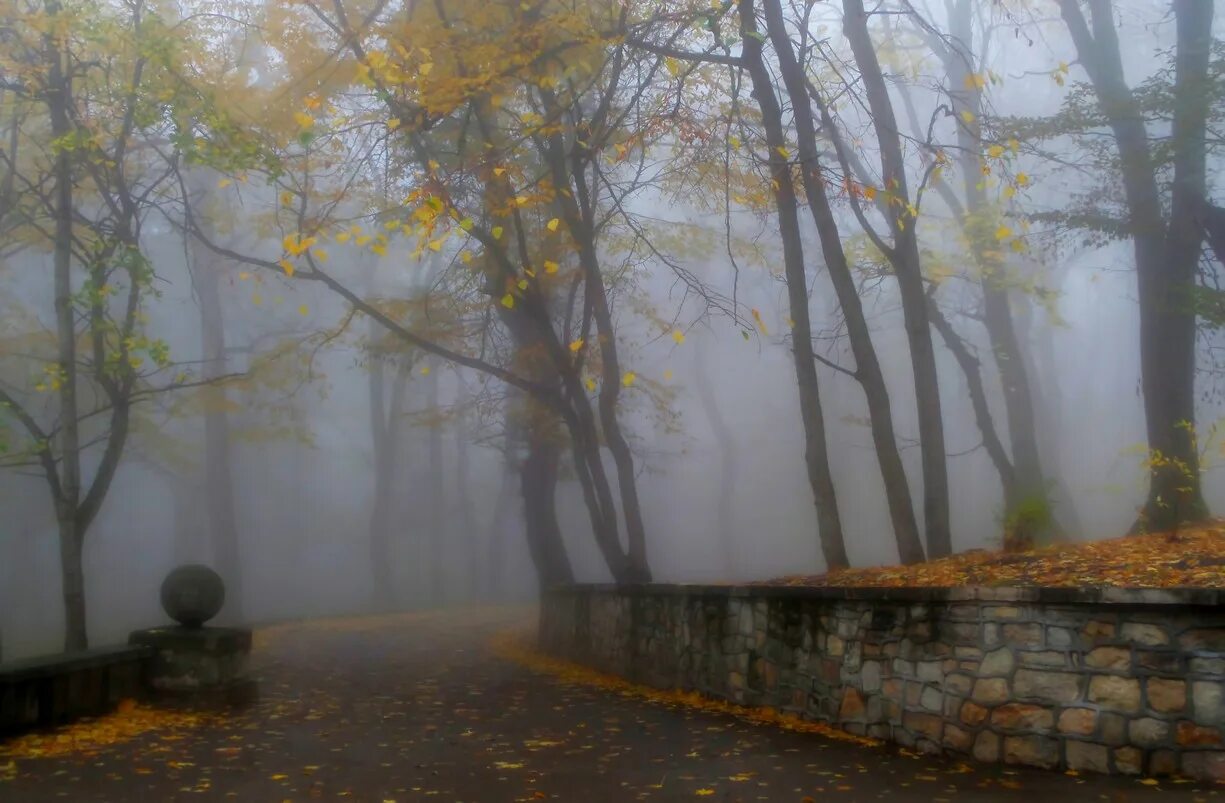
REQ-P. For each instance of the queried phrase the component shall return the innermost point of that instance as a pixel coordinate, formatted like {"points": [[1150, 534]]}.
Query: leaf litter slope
{"points": [[1190, 558]]}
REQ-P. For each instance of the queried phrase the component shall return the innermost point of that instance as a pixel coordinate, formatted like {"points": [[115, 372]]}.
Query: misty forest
{"points": [[387, 305]]}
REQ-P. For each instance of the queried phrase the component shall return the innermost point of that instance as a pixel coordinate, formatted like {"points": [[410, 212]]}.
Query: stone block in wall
{"points": [[1047, 659], [929, 725], [1208, 766], [987, 747], [1128, 760], [1085, 756], [1032, 751], [990, 691], [1022, 716], [1078, 721], [1148, 635], [1208, 702], [1191, 734], [1028, 634], [1117, 693], [1148, 732], [1044, 686], [973, 714], [1166, 695], [1204, 640], [1108, 658], [1162, 662]]}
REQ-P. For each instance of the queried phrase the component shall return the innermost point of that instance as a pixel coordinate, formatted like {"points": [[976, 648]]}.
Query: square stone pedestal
{"points": [[199, 667]]}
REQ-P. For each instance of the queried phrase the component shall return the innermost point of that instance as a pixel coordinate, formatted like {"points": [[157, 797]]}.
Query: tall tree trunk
{"points": [[218, 476], [67, 501], [436, 539], [385, 423], [725, 441], [867, 366], [1026, 493], [905, 260], [816, 451], [463, 500], [495, 533], [538, 476], [1166, 257], [578, 211]]}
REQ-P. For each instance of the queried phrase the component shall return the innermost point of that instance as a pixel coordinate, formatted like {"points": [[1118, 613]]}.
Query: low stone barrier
{"points": [[1106, 680], [56, 689]]}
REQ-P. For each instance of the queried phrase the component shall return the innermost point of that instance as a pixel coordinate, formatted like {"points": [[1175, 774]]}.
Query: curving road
{"points": [[418, 707]]}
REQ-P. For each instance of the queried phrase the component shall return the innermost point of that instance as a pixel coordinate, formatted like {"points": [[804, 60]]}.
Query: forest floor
{"points": [[445, 706], [1192, 557]]}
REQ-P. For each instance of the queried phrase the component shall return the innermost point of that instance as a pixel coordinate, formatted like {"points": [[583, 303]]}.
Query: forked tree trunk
{"points": [[907, 268], [816, 450], [1166, 256], [867, 365]]}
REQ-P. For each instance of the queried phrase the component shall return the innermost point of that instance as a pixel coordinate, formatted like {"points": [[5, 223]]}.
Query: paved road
{"points": [[417, 707]]}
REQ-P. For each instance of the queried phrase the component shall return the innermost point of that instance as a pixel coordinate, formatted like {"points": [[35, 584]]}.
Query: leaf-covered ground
{"points": [[443, 707], [1193, 557]]}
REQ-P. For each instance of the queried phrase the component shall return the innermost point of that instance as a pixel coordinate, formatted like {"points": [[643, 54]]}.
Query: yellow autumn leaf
{"points": [[343, 237], [1022, 179], [678, 336], [590, 383], [466, 257], [967, 116], [302, 309], [552, 224], [576, 344], [550, 266], [523, 284], [497, 171], [425, 370], [1003, 233], [303, 120], [673, 65], [320, 254], [760, 323], [435, 245], [783, 152], [225, 182], [286, 266], [704, 792], [995, 151], [393, 123], [496, 231], [1009, 192], [427, 68], [508, 301], [629, 378], [869, 193], [734, 142]]}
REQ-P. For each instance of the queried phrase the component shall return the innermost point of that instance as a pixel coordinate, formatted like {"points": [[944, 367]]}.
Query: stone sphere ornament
{"points": [[192, 595]]}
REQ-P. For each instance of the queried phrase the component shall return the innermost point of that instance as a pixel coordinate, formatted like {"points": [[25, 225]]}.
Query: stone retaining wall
{"points": [[1105, 680]]}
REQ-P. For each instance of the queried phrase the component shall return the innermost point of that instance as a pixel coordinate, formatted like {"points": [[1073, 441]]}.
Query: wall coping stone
{"points": [[1051, 595]]}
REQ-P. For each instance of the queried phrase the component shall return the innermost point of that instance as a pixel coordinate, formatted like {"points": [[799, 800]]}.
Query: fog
{"points": [[708, 401]]}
